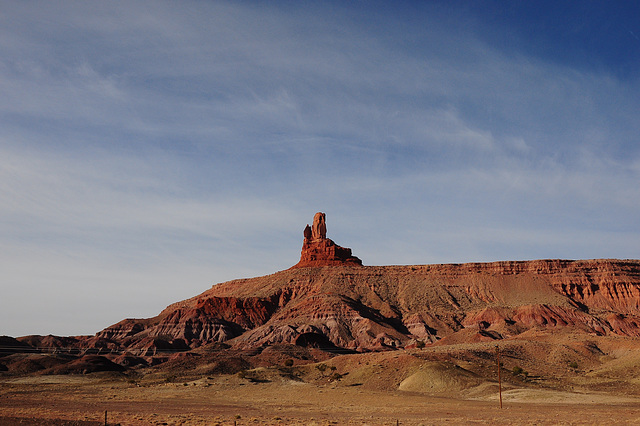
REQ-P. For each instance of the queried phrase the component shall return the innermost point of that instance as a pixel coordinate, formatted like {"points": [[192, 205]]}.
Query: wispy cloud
{"points": [[148, 146]]}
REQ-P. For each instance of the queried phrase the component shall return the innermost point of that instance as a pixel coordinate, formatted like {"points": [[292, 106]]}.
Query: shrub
{"points": [[321, 367], [573, 365], [420, 344], [517, 371], [288, 362]]}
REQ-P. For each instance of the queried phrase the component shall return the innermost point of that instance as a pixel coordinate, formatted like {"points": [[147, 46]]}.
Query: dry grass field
{"points": [[391, 388], [230, 400]]}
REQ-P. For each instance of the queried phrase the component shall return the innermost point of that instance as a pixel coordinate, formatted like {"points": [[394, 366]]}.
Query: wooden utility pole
{"points": [[499, 379]]}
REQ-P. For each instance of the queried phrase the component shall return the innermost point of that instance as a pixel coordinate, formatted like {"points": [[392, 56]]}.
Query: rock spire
{"points": [[318, 250], [319, 228]]}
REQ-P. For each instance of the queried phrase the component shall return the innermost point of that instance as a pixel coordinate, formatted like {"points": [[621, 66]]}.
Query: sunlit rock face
{"points": [[318, 250], [366, 308], [328, 299]]}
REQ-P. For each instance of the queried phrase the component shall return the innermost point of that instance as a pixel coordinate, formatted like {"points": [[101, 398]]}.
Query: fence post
{"points": [[499, 379]]}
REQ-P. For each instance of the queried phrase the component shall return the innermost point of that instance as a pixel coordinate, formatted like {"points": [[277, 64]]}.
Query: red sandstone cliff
{"points": [[325, 253], [328, 300], [374, 308]]}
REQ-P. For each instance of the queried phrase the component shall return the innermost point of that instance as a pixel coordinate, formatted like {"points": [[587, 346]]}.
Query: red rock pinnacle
{"points": [[318, 250]]}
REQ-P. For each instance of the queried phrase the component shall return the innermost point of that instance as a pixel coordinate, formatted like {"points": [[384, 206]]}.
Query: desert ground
{"points": [[405, 345], [229, 400], [407, 387]]}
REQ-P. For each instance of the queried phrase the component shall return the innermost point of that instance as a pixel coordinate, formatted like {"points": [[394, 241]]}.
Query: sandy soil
{"points": [[452, 384], [228, 400]]}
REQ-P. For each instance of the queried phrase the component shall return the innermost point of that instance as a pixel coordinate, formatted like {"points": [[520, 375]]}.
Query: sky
{"points": [[151, 149]]}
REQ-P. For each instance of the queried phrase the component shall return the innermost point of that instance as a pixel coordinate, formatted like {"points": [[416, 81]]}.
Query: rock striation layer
{"points": [[366, 308], [330, 302]]}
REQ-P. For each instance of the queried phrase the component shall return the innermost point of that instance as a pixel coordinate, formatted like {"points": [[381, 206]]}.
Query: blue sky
{"points": [[151, 149]]}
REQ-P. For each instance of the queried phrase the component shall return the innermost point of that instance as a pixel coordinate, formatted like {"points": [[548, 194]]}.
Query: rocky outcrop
{"points": [[383, 308], [325, 253], [209, 319], [318, 250], [330, 300], [319, 228], [374, 308]]}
